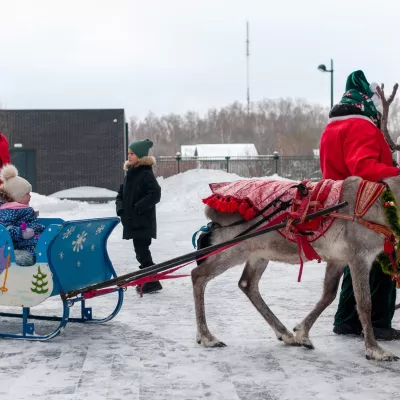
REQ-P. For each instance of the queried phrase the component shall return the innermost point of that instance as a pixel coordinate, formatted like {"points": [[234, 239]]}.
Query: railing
{"points": [[290, 167]]}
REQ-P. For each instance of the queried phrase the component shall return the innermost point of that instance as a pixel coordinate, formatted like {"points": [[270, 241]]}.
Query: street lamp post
{"points": [[276, 158], [178, 159], [322, 68], [227, 158]]}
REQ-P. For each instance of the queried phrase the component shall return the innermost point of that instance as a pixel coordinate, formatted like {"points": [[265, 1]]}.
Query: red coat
{"points": [[354, 146], [4, 151]]}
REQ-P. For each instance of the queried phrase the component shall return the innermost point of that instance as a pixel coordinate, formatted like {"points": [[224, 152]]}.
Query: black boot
{"points": [[387, 334], [150, 287], [347, 329]]}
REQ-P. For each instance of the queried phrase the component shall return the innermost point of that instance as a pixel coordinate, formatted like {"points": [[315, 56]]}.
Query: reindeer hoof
{"points": [[210, 342], [386, 358], [288, 339], [308, 345], [302, 338], [381, 355], [219, 344], [304, 342]]}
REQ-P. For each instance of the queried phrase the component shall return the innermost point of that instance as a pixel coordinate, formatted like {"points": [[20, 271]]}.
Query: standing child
{"points": [[136, 204], [17, 216]]}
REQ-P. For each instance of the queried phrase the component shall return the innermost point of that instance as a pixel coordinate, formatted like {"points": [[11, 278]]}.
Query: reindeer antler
{"points": [[385, 115]]}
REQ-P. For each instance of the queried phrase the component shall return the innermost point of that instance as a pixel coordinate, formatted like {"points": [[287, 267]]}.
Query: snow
{"points": [[84, 192], [220, 150], [48, 204], [149, 350], [188, 150]]}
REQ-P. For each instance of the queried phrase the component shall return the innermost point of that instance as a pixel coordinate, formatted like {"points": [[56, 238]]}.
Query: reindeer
{"points": [[345, 243]]}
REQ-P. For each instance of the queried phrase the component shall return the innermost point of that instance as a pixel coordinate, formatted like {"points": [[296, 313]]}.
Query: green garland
{"points": [[392, 216]]}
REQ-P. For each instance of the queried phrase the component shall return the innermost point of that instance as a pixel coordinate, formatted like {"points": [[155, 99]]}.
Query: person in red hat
{"points": [[4, 152]]}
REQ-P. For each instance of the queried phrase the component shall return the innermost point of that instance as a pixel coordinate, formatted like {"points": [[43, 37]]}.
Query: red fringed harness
{"points": [[250, 196]]}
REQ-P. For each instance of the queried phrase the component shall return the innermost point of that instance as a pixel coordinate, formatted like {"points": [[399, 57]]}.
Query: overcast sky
{"points": [[179, 55]]}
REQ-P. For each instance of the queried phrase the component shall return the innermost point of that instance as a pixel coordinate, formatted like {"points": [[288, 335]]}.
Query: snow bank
{"points": [[184, 192], [85, 192], [47, 204]]}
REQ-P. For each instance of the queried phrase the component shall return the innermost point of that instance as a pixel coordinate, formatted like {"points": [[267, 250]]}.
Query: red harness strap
{"points": [[313, 200], [305, 247], [367, 194]]}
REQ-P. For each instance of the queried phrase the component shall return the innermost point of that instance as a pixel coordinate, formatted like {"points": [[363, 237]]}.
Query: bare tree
{"points": [[288, 126]]}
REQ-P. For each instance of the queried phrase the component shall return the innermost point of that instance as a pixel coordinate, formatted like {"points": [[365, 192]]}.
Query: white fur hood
{"points": [[148, 160]]}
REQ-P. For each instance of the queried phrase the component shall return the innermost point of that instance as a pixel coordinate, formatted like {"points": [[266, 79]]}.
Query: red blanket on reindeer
{"points": [[251, 197]]}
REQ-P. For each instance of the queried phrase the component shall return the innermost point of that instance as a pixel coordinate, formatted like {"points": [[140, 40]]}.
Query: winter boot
{"points": [[149, 287], [347, 329]]}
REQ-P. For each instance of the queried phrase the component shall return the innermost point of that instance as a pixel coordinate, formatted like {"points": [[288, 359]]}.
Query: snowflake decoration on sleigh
{"points": [[100, 229], [78, 243], [69, 232]]}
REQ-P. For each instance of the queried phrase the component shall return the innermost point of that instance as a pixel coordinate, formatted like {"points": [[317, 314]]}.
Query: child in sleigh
{"points": [[17, 216]]}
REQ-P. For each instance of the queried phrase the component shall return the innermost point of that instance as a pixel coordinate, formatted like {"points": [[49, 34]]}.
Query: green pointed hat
{"points": [[361, 94], [357, 81]]}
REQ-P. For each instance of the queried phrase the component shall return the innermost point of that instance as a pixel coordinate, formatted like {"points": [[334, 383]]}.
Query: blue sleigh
{"points": [[69, 256]]}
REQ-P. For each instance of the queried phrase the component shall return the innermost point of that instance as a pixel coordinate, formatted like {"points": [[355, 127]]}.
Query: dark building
{"points": [[62, 149]]}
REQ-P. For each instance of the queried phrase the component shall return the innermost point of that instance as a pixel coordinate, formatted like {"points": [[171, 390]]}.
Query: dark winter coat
{"points": [[136, 200]]}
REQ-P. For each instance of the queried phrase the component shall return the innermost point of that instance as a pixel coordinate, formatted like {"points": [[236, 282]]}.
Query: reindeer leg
{"points": [[360, 269], [333, 273], [201, 275], [248, 283]]}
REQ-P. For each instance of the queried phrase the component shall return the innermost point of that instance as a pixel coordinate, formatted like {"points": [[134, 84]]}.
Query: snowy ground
{"points": [[149, 350]]}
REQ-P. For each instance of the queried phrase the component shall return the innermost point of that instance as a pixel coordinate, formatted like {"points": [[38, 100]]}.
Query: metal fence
{"points": [[296, 167]]}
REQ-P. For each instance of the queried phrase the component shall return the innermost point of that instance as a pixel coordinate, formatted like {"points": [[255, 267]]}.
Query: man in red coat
{"points": [[352, 144], [4, 152]]}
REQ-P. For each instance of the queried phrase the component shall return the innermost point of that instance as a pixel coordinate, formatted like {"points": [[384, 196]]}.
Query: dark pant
{"points": [[383, 296], [142, 251]]}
